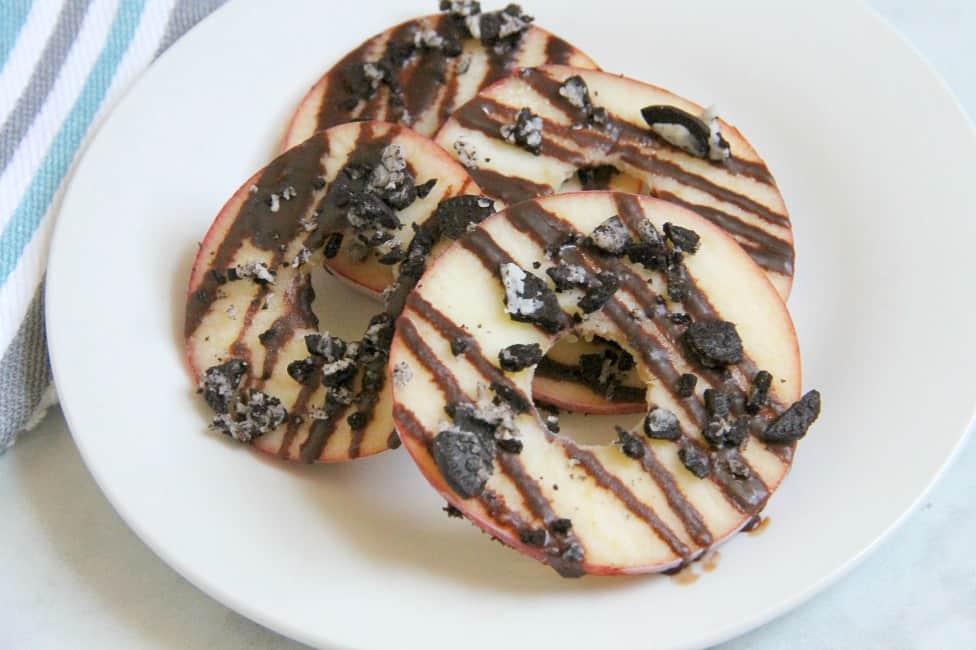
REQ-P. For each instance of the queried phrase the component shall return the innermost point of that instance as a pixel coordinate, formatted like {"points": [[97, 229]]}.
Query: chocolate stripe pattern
{"points": [[250, 296], [420, 71], [738, 194], [682, 515]]}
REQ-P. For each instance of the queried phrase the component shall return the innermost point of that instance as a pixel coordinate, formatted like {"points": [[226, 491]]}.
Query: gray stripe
{"points": [[42, 79], [24, 372], [185, 15]]}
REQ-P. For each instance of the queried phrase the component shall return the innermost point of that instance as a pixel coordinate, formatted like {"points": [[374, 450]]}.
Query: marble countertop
{"points": [[72, 573]]}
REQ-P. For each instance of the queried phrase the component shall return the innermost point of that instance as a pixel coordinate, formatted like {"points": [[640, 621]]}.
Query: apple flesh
{"points": [[635, 507]]}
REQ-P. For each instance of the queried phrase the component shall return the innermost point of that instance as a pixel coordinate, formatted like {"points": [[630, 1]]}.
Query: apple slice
{"points": [[697, 314], [555, 127], [418, 72], [253, 343]]}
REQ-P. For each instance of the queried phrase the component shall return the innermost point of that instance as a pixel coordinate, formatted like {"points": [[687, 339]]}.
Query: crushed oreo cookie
{"points": [[717, 403], [603, 371], [371, 218], [713, 343], [561, 526], [662, 424], [529, 300], [508, 395], [430, 40], [459, 345], [629, 444], [425, 188], [794, 422], [649, 250], [677, 277], [219, 384], [257, 271], [575, 91], [510, 445], [464, 452], [519, 356], [683, 239], [737, 467], [568, 276], [598, 296], [453, 512], [611, 237], [254, 414], [686, 385], [700, 137], [534, 537], [302, 370], [394, 255], [759, 393], [680, 319], [724, 432], [466, 153], [498, 29], [525, 132], [694, 459], [330, 348], [336, 373], [376, 339], [391, 181], [362, 79], [461, 8], [454, 216]]}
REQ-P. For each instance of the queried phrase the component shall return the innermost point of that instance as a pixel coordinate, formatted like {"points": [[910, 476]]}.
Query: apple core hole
{"points": [[602, 177], [357, 308], [591, 387]]}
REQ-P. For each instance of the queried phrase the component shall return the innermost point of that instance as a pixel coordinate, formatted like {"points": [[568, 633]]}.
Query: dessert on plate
{"points": [[711, 338], [569, 239]]}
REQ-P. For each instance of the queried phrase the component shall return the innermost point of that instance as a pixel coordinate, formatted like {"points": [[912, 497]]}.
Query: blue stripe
{"points": [[55, 165], [14, 16]]}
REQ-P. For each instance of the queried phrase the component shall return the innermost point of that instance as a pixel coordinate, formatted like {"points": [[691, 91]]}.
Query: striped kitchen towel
{"points": [[63, 65]]}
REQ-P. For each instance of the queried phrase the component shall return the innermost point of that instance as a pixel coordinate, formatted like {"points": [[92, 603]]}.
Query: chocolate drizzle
{"points": [[510, 464], [424, 81], [548, 230], [258, 225], [610, 482], [630, 145]]}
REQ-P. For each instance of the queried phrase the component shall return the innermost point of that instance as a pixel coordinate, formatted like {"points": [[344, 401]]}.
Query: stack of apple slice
{"points": [[596, 301]]}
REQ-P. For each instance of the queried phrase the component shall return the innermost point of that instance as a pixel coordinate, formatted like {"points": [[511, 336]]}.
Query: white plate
{"points": [[875, 159]]}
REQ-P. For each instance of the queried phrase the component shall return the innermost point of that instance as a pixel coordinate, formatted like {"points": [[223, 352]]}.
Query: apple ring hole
{"points": [[602, 177], [342, 309], [590, 370]]}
